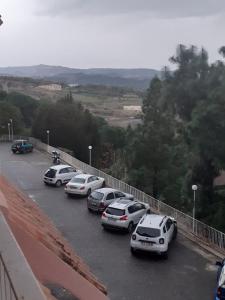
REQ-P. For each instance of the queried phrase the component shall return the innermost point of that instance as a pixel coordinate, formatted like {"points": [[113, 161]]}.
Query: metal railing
{"points": [[7, 291], [203, 232]]}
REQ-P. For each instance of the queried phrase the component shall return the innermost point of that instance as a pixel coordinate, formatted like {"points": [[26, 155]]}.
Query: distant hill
{"points": [[128, 78]]}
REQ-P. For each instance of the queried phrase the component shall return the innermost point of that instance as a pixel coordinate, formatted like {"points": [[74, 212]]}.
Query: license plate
{"points": [[147, 243]]}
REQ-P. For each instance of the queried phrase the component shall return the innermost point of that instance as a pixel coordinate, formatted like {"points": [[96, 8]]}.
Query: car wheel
{"points": [[165, 255], [130, 227], [133, 251], [103, 184], [58, 183], [88, 192], [103, 227]]}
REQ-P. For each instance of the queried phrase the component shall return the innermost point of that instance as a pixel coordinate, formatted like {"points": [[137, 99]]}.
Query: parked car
{"points": [[154, 234], [22, 146], [123, 214], [60, 174], [84, 184], [220, 288], [101, 198]]}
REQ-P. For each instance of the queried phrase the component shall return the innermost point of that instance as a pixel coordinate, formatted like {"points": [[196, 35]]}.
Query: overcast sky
{"points": [[107, 33]]}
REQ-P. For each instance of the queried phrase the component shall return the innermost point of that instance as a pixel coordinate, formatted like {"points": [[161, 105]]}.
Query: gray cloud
{"points": [[156, 8]]}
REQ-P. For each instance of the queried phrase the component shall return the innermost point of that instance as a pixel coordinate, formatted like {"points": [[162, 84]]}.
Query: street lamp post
{"points": [[194, 189], [90, 148], [48, 131], [9, 130], [11, 121]]}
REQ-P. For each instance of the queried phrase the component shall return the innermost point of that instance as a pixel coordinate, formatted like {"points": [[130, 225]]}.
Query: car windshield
{"points": [[17, 144], [150, 232], [97, 195], [115, 211], [50, 173], [78, 180]]}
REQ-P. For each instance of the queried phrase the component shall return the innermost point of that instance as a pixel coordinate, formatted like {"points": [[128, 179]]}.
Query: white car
{"points": [[123, 214], [60, 174], [154, 234], [101, 198], [84, 184]]}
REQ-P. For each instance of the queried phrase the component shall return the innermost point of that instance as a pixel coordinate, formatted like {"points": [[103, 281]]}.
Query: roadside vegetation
{"points": [[180, 142]]}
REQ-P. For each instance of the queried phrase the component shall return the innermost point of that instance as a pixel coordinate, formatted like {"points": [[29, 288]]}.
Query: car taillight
{"points": [[123, 218], [82, 188], [161, 241], [134, 237], [219, 292], [103, 214]]}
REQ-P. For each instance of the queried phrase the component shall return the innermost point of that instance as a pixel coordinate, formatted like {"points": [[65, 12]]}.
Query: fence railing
{"points": [[214, 238], [7, 291]]}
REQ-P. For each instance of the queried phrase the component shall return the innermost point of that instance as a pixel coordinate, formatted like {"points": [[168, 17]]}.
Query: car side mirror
{"points": [[219, 264]]}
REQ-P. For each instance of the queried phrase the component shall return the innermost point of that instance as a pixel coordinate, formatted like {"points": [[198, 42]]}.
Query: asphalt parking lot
{"points": [[188, 274]]}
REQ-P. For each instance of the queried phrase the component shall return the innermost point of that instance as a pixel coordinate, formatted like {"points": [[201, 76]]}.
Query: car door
{"points": [[133, 214], [71, 172], [90, 183], [140, 210], [63, 173], [96, 182], [109, 198]]}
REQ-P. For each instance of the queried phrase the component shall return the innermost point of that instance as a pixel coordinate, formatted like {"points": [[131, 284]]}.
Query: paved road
{"points": [[188, 274]]}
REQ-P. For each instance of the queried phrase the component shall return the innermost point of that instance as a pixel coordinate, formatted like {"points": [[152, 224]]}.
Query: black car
{"points": [[22, 146], [220, 289]]}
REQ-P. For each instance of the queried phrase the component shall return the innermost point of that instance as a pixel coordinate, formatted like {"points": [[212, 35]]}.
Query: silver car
{"points": [[124, 214], [101, 198]]}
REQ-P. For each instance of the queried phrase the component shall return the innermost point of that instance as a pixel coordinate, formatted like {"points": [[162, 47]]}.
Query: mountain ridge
{"points": [[137, 78]]}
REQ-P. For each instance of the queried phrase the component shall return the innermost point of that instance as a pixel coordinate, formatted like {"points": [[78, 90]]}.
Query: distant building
{"points": [[136, 108], [51, 87], [73, 84]]}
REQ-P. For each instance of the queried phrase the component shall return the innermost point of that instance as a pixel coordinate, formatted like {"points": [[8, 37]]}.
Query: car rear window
{"points": [[78, 180], [50, 173], [115, 211], [150, 232], [97, 196]]}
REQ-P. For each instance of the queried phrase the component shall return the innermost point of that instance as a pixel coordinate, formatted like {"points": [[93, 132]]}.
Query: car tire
{"points": [[133, 251], [165, 254], [88, 192], [130, 227], [58, 183], [103, 184], [104, 227]]}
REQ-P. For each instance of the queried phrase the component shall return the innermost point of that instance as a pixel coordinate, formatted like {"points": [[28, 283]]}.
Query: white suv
{"points": [[154, 233], [57, 175], [123, 214]]}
